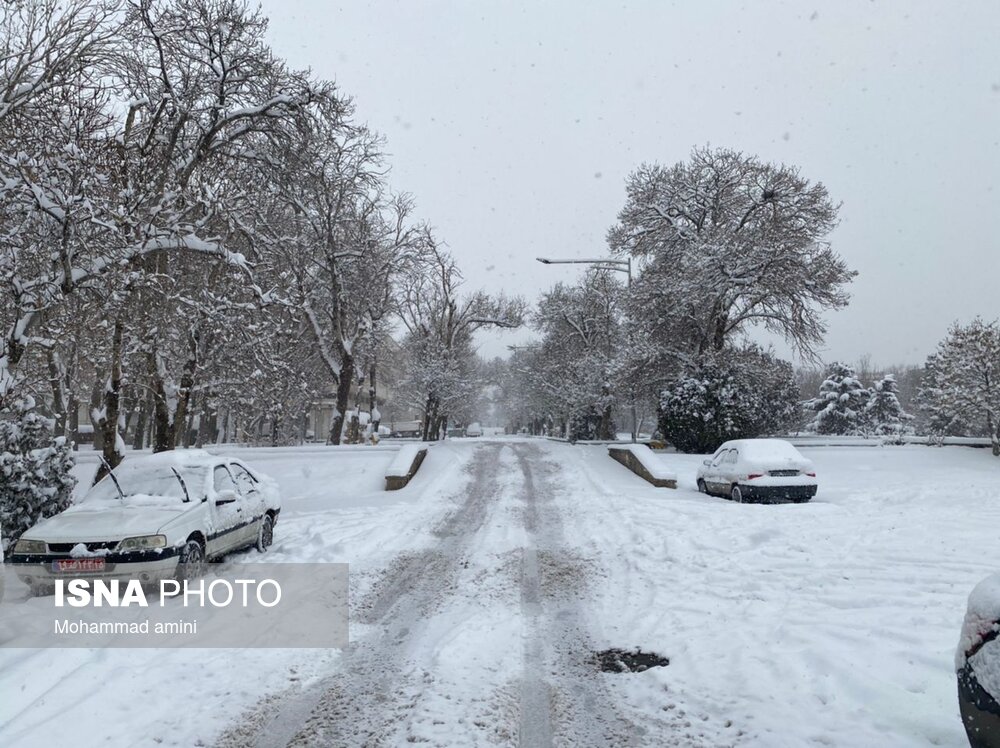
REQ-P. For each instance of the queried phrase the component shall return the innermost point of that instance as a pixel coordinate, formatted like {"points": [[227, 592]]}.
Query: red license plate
{"points": [[78, 565]]}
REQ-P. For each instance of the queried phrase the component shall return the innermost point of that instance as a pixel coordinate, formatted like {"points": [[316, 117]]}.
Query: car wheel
{"points": [[191, 564], [737, 494], [265, 535], [702, 488]]}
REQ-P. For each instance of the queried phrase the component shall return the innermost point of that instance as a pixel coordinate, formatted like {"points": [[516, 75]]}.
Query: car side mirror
{"points": [[225, 497]]}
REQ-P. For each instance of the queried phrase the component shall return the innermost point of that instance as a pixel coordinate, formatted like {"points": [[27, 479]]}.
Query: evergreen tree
{"points": [[35, 470], [961, 386], [740, 394], [883, 414], [840, 406]]}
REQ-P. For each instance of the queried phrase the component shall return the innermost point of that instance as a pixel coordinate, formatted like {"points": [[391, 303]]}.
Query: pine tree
{"points": [[35, 470], [961, 386], [840, 406], [883, 414]]}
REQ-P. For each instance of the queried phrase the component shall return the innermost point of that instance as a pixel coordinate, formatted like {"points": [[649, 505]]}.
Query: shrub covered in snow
{"points": [[35, 477], [841, 403], [739, 394]]}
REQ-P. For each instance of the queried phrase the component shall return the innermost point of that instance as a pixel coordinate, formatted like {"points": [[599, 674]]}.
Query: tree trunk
{"points": [[430, 417], [112, 407], [141, 420], [74, 421], [184, 393], [208, 422], [343, 397], [56, 376], [95, 405], [373, 400], [163, 436], [440, 426]]}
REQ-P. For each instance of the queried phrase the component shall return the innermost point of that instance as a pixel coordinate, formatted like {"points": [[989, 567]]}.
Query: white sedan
{"points": [[767, 470], [153, 518]]}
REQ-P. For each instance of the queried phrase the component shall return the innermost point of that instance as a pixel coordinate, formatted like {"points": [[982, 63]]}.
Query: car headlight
{"points": [[142, 543], [30, 546]]}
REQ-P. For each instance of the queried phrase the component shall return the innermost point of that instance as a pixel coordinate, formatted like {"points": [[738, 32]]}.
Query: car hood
{"points": [[103, 523]]}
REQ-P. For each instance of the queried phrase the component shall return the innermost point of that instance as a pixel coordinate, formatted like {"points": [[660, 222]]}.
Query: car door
{"points": [[253, 500], [227, 515], [713, 477], [730, 470]]}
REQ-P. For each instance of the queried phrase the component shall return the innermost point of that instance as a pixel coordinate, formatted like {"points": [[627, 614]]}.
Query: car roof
{"points": [[760, 446]]}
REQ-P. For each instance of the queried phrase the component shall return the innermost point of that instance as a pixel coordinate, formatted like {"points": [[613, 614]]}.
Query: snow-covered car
{"points": [[977, 663], [766, 470], [473, 429], [153, 518]]}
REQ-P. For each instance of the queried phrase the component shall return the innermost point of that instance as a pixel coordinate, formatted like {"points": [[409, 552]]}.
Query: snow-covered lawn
{"points": [[335, 510], [832, 622]]}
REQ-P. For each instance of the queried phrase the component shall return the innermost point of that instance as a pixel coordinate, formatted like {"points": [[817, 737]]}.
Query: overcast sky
{"points": [[514, 125]]}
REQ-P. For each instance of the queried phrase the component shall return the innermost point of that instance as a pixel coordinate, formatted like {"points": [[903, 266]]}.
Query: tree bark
{"points": [[95, 404], [162, 437], [56, 376], [180, 426], [112, 407], [343, 397], [430, 418], [141, 420]]}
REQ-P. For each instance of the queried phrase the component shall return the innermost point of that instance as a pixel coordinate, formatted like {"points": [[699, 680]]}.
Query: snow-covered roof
{"points": [[172, 458], [763, 447]]}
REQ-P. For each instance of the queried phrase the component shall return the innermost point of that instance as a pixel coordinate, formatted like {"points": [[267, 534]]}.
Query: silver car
{"points": [[763, 470]]}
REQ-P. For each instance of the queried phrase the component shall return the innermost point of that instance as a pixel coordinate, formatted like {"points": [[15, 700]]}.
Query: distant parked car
{"points": [[473, 429], [153, 518], [765, 470], [978, 665]]}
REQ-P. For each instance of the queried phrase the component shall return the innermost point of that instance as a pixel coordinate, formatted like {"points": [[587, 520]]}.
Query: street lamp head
{"points": [[544, 260]]}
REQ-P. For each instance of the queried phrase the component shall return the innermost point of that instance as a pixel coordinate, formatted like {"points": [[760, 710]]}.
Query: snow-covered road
{"points": [[478, 639], [481, 591]]}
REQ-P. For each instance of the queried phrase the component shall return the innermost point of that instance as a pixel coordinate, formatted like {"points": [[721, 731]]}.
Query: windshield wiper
{"points": [[187, 496], [111, 475]]}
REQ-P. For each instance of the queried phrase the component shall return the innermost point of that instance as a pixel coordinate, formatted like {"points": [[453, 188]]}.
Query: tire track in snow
{"points": [[364, 703], [573, 707]]}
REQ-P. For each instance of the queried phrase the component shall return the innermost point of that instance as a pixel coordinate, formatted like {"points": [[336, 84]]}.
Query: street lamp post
{"points": [[619, 266]]}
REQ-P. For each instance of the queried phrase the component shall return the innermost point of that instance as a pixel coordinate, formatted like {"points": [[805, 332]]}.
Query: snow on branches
{"points": [[728, 242], [961, 384]]}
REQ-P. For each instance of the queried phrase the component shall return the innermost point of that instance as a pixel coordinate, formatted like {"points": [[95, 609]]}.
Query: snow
{"points": [[654, 465], [403, 461], [982, 617], [830, 623]]}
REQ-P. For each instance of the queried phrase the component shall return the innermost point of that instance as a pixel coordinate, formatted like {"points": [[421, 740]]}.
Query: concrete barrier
{"points": [[404, 466], [640, 460]]}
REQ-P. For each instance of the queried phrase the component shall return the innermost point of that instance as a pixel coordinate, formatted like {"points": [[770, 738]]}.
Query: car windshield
{"points": [[140, 485]]}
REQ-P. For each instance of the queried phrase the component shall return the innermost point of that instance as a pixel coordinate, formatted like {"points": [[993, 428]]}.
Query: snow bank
{"points": [[640, 460]]}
